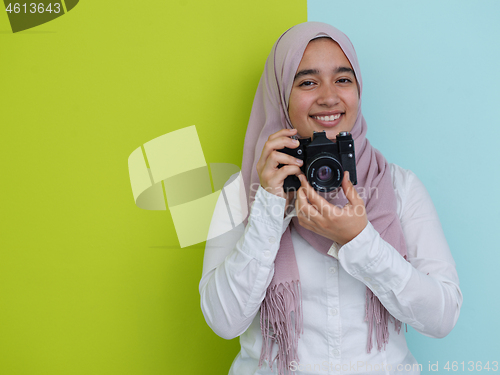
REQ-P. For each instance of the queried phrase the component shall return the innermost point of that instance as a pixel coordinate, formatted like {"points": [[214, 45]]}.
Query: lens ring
{"points": [[325, 172]]}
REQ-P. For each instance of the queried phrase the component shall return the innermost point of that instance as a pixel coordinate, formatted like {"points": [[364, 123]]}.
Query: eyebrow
{"points": [[305, 72]]}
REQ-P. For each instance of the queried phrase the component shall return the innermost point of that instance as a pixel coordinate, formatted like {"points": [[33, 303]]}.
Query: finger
{"points": [[349, 191], [283, 133], [278, 177], [320, 203], [316, 200], [291, 195], [276, 157], [278, 144], [270, 168], [304, 209], [301, 202]]}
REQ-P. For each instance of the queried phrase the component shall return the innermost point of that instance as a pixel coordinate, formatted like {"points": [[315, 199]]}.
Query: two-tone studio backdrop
{"points": [[90, 283]]}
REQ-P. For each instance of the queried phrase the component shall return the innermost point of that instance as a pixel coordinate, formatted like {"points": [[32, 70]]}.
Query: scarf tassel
{"points": [[281, 322], [376, 315]]}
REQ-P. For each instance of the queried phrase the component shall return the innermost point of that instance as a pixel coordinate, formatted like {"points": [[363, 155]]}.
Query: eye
{"points": [[344, 80], [306, 84]]}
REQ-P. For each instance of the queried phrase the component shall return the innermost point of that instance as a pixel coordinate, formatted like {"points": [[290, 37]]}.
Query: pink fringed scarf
{"points": [[281, 309]]}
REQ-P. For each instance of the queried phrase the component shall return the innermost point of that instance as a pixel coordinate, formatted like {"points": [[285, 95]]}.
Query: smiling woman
{"points": [[324, 95], [325, 284]]}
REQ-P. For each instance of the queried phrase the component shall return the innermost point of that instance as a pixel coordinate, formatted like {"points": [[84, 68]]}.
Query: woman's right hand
{"points": [[271, 177]]}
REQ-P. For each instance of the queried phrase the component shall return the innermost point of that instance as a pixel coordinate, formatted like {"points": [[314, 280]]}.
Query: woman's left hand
{"points": [[340, 224]]}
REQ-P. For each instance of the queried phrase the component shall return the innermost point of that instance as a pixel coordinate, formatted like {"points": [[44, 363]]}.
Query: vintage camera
{"points": [[324, 161]]}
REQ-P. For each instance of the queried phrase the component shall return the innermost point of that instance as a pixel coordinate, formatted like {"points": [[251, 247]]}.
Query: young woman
{"points": [[324, 288]]}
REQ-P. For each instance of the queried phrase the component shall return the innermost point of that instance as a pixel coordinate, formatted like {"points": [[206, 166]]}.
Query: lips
{"points": [[327, 120]]}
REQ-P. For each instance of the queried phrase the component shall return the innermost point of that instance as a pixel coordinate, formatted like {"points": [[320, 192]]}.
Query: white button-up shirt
{"points": [[423, 293]]}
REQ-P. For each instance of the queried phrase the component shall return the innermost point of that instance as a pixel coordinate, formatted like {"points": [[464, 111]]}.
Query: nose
{"points": [[328, 95]]}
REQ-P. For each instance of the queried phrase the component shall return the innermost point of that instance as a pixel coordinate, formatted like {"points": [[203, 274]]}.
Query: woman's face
{"points": [[324, 94]]}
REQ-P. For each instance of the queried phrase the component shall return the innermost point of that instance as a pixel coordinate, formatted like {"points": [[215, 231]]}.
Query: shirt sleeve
{"points": [[239, 265], [423, 292]]}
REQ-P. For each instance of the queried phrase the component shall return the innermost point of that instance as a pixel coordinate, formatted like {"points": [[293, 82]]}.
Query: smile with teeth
{"points": [[327, 118]]}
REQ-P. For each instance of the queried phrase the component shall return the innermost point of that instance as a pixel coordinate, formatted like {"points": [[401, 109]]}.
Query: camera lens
{"points": [[324, 173]]}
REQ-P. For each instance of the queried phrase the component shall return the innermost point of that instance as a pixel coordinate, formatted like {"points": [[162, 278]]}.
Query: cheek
{"points": [[353, 102], [295, 108]]}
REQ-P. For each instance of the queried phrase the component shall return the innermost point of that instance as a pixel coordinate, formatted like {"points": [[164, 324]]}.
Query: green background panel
{"points": [[90, 283]]}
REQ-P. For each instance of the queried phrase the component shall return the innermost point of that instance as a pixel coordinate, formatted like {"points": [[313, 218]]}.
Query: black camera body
{"points": [[324, 161]]}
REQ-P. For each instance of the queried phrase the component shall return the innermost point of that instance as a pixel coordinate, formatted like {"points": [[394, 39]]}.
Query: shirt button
{"points": [[333, 269], [375, 286], [333, 312], [336, 353], [272, 240], [367, 279], [267, 253]]}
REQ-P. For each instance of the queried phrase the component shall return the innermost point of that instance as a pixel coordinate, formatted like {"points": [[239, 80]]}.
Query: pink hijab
{"points": [[281, 310]]}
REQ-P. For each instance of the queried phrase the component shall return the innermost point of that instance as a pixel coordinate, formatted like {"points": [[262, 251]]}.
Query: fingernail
{"points": [[348, 176], [299, 162]]}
